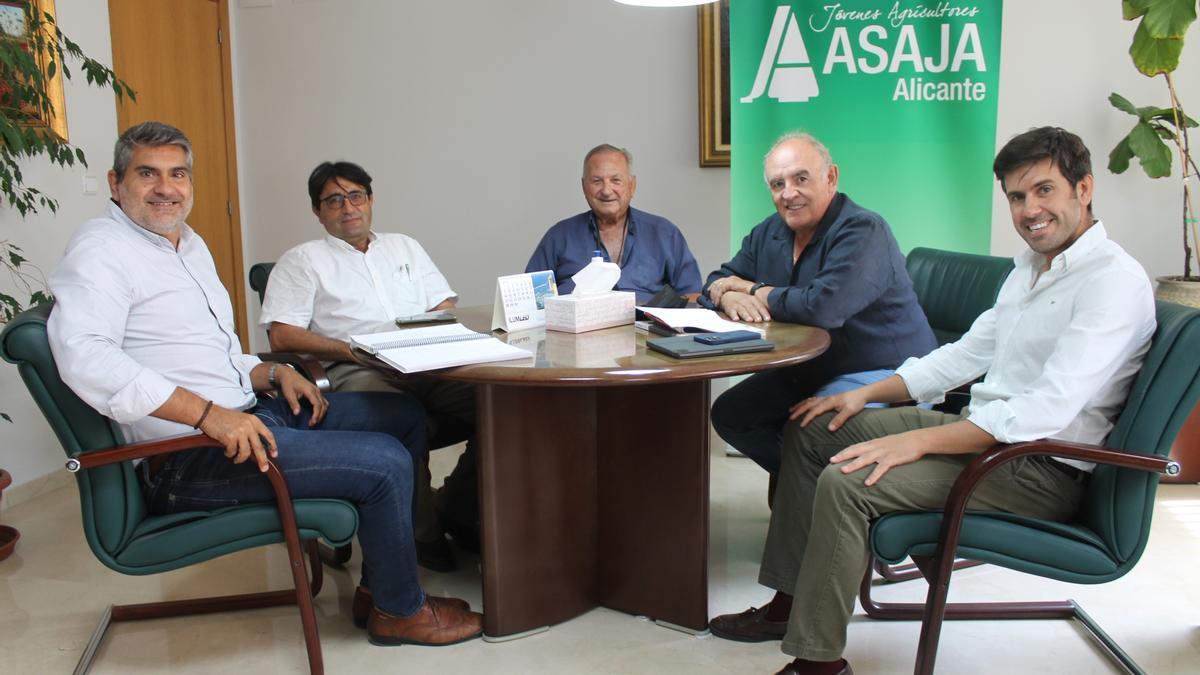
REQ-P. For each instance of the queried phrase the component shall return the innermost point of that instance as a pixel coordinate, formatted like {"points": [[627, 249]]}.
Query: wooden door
{"points": [[175, 55]]}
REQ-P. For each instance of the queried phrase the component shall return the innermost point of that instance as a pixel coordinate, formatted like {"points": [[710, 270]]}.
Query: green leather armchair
{"points": [[1108, 535], [955, 288], [126, 538]]}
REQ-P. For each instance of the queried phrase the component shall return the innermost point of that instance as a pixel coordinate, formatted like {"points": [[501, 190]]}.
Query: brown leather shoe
{"points": [[796, 669], [360, 608], [433, 625], [748, 626]]}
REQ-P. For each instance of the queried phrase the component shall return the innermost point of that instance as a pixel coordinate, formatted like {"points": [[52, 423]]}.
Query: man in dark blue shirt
{"points": [[824, 261], [650, 250]]}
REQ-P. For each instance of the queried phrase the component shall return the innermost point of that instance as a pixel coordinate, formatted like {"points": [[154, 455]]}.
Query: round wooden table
{"points": [[594, 469]]}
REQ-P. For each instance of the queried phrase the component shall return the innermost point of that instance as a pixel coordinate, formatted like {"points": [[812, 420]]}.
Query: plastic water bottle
{"points": [[597, 277]]}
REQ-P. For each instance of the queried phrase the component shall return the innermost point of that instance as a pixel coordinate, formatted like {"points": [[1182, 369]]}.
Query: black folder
{"points": [[686, 347]]}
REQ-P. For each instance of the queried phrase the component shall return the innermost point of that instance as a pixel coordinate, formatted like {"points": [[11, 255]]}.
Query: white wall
{"points": [[473, 117], [28, 449]]}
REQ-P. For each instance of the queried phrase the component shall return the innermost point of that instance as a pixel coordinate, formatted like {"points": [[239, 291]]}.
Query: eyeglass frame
{"points": [[338, 200]]}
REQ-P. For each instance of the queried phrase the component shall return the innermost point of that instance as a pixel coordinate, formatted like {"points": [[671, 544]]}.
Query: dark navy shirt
{"points": [[655, 254], [849, 280]]}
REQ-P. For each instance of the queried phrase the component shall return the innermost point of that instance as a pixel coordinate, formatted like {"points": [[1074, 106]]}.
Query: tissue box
{"points": [[579, 313]]}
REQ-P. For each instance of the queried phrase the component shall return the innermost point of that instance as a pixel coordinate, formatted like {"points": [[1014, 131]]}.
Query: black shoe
{"points": [[466, 536], [436, 555]]}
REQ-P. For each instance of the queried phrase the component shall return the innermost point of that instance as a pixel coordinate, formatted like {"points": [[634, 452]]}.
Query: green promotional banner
{"points": [[902, 93]]}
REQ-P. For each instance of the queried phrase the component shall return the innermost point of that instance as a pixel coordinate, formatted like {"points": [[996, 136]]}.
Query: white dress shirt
{"points": [[134, 318], [330, 288], [1060, 349]]}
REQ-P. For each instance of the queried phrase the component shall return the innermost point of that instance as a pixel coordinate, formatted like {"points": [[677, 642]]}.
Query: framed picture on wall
{"points": [[713, 22], [18, 37]]}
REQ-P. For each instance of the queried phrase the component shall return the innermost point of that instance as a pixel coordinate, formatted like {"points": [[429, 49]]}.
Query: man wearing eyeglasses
{"points": [[355, 281]]}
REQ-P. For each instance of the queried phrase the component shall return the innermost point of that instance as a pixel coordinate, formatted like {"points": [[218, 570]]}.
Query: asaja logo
{"points": [[785, 64], [928, 52]]}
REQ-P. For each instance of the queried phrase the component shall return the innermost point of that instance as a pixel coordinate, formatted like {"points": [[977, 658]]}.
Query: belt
{"points": [[1075, 473], [151, 466]]}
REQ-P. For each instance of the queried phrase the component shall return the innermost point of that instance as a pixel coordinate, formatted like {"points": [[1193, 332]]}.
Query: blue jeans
{"points": [[750, 416], [361, 452]]}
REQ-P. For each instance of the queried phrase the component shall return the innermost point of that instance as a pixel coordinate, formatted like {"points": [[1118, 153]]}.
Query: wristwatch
{"points": [[755, 287], [271, 379]]}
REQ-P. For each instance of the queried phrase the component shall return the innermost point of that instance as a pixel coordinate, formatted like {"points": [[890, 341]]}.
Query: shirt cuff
{"points": [[997, 418], [143, 395], [920, 383]]}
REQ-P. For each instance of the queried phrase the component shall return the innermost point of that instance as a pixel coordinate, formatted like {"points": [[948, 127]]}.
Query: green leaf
{"points": [[1118, 159], [6, 417], [1152, 153], [1169, 18], [1121, 103], [1154, 56], [1132, 9]]}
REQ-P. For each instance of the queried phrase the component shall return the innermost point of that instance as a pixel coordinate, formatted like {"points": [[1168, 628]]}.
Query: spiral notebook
{"points": [[414, 350]]}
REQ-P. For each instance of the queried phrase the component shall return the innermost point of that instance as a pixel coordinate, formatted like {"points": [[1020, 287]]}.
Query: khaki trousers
{"points": [[817, 542], [447, 404]]}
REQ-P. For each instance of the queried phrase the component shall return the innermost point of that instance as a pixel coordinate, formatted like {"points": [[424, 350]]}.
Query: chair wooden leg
{"points": [[227, 603], [986, 611], [336, 556], [303, 592]]}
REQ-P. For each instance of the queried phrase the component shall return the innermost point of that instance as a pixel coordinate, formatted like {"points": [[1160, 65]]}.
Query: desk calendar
{"points": [[520, 300]]}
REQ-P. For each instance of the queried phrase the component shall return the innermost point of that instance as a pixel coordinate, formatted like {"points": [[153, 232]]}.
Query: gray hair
{"points": [[151, 134], [826, 158], [605, 147]]}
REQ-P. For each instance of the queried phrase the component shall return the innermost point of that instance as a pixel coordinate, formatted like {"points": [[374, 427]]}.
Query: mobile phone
{"points": [[425, 317], [727, 337]]}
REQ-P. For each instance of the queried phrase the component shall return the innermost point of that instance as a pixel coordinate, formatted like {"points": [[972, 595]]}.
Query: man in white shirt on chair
{"points": [[354, 281], [1058, 352]]}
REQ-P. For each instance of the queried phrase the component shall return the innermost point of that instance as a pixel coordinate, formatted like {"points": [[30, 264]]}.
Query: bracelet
{"points": [[203, 415], [755, 287]]}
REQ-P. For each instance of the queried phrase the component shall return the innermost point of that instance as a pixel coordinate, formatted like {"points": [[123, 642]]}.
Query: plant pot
{"points": [[1180, 290], [8, 535], [8, 540], [1186, 449]]}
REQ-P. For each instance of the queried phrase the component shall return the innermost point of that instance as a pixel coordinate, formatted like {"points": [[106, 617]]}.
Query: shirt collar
{"points": [[118, 214], [1087, 242], [630, 222], [341, 245]]}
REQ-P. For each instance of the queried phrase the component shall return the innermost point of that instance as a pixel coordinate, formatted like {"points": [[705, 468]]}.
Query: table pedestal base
{"points": [[593, 496]]}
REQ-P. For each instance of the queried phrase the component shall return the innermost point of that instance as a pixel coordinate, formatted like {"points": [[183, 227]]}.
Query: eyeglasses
{"points": [[355, 197]]}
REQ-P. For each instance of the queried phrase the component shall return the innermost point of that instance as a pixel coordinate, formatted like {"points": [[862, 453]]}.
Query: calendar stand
{"points": [[520, 303]]}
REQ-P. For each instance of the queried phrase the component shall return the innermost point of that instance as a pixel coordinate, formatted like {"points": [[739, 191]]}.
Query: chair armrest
{"points": [[125, 453], [996, 456], [162, 446], [305, 364]]}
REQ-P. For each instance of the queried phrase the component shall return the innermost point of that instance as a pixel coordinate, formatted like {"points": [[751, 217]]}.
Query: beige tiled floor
{"points": [[52, 591]]}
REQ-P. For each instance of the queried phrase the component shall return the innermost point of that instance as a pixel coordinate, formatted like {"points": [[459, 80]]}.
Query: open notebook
{"points": [[413, 350]]}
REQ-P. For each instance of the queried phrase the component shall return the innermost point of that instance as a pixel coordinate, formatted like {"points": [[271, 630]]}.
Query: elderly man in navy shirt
{"points": [[649, 249], [825, 261]]}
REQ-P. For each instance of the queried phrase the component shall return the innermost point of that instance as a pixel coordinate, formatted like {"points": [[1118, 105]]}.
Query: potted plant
{"points": [[1157, 45]]}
